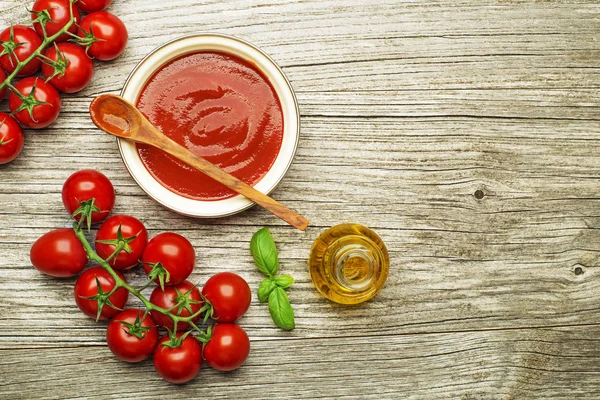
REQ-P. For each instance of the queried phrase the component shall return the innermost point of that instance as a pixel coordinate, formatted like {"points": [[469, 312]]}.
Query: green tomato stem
{"points": [[193, 325], [120, 283], [38, 52]]}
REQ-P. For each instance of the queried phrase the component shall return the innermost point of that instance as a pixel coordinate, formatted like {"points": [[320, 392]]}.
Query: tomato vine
{"points": [[176, 304], [47, 40], [120, 283]]}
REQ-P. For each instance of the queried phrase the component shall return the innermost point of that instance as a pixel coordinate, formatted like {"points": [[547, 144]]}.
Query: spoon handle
{"points": [[166, 144]]}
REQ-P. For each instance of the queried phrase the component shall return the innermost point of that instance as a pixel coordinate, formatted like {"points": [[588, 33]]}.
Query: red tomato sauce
{"points": [[221, 108]]}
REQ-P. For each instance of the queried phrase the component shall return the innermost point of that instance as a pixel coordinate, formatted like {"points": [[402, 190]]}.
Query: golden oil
{"points": [[349, 263]]}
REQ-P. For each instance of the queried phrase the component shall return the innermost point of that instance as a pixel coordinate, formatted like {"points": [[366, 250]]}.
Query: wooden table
{"points": [[466, 133]]}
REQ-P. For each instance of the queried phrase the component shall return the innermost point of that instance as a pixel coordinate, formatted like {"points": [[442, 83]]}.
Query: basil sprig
{"points": [[271, 289]]}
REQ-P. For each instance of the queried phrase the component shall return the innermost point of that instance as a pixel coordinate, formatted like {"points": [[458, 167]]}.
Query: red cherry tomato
{"points": [[229, 295], [131, 336], [4, 89], [24, 41], [180, 364], [130, 227], [171, 296], [227, 348], [73, 70], [56, 14], [104, 35], [93, 5], [40, 109], [84, 185], [59, 253], [174, 252], [86, 286], [11, 138]]}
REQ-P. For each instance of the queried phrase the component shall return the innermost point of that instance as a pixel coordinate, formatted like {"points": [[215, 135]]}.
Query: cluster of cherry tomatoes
{"points": [[66, 63], [168, 259]]}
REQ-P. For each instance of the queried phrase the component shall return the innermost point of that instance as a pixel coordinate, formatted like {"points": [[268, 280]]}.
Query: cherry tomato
{"points": [[130, 227], [93, 5], [104, 35], [4, 89], [84, 185], [131, 336], [40, 107], [179, 364], [174, 252], [56, 14], [59, 253], [86, 286], [229, 295], [227, 348], [73, 70], [24, 41], [11, 138], [173, 295]]}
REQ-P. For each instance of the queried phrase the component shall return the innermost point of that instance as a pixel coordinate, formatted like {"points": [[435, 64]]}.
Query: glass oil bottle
{"points": [[349, 263]]}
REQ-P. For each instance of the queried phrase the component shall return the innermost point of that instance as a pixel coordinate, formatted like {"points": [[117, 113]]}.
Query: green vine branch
{"points": [[120, 283], [47, 40]]}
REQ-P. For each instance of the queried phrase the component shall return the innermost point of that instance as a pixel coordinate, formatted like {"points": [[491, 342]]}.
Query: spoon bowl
{"points": [[114, 115]]}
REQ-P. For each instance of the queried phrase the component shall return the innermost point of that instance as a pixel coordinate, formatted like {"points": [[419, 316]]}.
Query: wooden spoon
{"points": [[115, 115]]}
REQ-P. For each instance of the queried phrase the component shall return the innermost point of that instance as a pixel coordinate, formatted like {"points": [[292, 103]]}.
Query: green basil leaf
{"points": [[265, 288], [264, 252], [281, 310], [284, 281]]}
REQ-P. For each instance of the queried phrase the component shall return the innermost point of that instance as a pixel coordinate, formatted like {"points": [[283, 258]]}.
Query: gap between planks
{"points": [[319, 338]]}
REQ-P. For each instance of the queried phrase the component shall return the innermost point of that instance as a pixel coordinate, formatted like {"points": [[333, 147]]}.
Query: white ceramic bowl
{"points": [[227, 44]]}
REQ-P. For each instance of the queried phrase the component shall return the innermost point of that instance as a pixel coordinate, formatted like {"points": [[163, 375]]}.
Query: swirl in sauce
{"points": [[221, 108]]}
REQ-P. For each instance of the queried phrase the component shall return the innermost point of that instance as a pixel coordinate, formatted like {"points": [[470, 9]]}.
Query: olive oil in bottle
{"points": [[348, 263]]}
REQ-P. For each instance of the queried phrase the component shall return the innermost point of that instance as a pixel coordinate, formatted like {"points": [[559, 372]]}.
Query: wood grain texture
{"points": [[466, 133], [514, 364]]}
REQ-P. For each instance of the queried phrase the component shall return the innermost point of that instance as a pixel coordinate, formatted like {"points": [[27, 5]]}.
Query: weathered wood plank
{"points": [[513, 364], [432, 46]]}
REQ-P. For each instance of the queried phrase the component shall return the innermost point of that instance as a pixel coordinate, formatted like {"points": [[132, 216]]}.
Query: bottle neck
{"points": [[354, 267]]}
